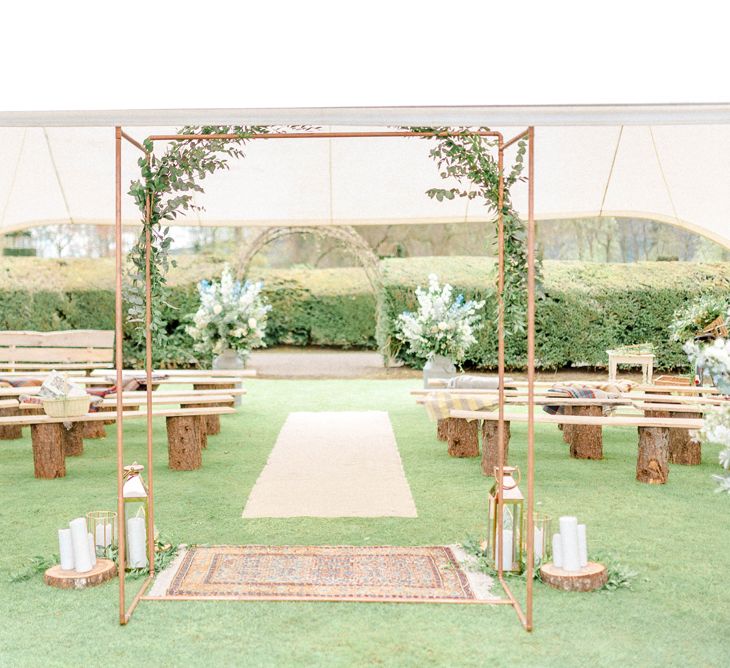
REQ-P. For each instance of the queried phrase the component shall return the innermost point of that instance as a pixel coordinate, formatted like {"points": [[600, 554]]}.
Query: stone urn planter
{"points": [[439, 367], [227, 360]]}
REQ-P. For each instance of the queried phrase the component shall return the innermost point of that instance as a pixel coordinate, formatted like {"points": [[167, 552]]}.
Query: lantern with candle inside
{"points": [[507, 494], [102, 525], [542, 544], [136, 509]]}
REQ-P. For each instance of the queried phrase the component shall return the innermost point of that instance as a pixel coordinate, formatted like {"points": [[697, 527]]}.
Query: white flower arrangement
{"points": [[231, 315], [715, 359], [442, 324]]}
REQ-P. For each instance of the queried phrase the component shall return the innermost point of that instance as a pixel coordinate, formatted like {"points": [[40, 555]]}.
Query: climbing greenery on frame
{"points": [[168, 184], [468, 158]]}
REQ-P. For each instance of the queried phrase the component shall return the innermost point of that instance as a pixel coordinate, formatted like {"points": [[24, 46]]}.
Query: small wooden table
{"points": [[644, 360]]}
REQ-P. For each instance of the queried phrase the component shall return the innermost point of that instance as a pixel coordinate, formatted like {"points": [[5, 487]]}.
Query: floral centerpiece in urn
{"points": [[231, 320], [441, 330]]}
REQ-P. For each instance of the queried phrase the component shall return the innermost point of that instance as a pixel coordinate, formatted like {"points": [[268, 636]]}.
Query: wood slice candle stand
{"points": [[589, 578], [55, 576]]}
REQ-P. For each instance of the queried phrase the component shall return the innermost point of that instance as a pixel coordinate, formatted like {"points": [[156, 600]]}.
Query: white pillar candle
{"points": [[92, 549], [569, 541], [539, 544], [137, 542], [507, 563], [66, 549], [103, 535], [582, 545], [80, 541], [557, 550]]}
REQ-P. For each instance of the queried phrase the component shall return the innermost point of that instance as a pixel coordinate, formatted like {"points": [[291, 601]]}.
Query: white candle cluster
{"points": [[76, 546], [570, 547]]}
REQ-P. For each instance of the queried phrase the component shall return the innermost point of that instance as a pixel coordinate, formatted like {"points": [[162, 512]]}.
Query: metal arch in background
{"points": [[525, 619], [345, 234]]}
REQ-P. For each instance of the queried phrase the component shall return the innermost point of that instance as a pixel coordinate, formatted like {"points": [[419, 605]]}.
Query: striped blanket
{"points": [[570, 391], [20, 382], [440, 404]]}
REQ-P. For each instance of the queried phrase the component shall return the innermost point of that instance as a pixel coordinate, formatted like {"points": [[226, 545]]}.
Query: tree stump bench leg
{"points": [[683, 447], [652, 463], [463, 437], [10, 432], [213, 422], [73, 440], [184, 443], [94, 429], [586, 441], [442, 429], [490, 445], [48, 456], [108, 409], [567, 429]]}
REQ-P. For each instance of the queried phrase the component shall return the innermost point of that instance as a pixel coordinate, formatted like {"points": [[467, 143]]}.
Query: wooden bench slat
{"points": [[61, 355], [25, 420], [613, 421], [71, 338], [191, 373]]}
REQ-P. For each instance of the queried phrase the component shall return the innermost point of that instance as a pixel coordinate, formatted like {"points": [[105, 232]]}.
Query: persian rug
{"points": [[326, 573], [333, 464]]}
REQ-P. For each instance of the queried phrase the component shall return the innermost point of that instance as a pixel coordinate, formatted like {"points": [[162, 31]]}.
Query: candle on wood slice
{"points": [[66, 549], [137, 542], [103, 535], [92, 549], [569, 540], [557, 550], [582, 546], [80, 541]]}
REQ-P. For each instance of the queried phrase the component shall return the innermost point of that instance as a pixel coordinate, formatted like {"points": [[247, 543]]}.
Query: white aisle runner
{"points": [[333, 464]]}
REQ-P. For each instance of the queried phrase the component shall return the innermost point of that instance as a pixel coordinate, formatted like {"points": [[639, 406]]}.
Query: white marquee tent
{"points": [[668, 163]]}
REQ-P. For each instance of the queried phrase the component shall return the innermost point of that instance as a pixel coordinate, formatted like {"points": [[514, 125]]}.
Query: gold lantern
{"points": [[543, 538], [507, 494], [102, 525], [136, 512]]}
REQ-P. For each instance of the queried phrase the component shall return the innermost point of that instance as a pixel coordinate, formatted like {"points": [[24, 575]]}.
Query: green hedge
{"points": [[586, 308]]}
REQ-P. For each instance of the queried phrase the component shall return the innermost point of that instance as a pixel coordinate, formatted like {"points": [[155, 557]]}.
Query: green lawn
{"points": [[676, 536]]}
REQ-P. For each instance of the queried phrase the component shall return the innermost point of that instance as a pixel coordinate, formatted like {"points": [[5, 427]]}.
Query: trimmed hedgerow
{"points": [[586, 309]]}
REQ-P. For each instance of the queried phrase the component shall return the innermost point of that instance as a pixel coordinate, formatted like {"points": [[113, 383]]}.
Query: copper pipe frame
{"points": [[525, 620]]}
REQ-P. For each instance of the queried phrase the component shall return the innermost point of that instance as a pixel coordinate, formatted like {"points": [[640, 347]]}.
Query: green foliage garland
{"points": [[170, 182], [469, 159]]}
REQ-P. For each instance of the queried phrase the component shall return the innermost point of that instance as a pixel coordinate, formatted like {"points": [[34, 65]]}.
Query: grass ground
{"points": [[676, 536]]}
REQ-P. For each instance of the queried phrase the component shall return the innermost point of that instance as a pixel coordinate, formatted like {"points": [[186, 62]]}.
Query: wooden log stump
{"points": [[73, 440], [48, 456], [10, 432], [184, 443], [108, 409], [586, 441], [442, 429], [213, 422], [490, 445], [463, 437], [683, 447], [94, 429], [652, 463], [591, 577], [105, 569], [567, 429]]}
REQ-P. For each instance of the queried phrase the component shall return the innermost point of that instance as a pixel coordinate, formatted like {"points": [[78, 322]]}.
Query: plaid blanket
{"points": [[440, 404], [575, 391]]}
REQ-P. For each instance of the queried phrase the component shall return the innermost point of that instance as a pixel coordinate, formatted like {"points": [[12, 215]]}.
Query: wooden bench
{"points": [[52, 441], [80, 349], [652, 464]]}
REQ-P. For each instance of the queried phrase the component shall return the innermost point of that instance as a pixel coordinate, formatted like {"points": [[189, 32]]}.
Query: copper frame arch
{"points": [[526, 616]]}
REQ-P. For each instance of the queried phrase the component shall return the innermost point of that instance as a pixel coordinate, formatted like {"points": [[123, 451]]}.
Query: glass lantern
{"points": [[507, 494], [136, 512], [102, 525], [542, 544]]}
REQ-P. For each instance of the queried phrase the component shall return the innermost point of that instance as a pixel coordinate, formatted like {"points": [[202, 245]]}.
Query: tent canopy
{"points": [[676, 172]]}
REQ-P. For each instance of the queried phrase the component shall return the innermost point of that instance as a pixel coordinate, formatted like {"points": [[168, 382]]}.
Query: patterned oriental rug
{"points": [[329, 573]]}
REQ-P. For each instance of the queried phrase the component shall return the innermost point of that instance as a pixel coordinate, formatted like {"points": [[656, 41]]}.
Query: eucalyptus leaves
{"points": [[167, 186], [469, 159]]}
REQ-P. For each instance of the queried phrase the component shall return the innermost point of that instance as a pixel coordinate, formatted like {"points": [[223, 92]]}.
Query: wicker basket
{"points": [[67, 407]]}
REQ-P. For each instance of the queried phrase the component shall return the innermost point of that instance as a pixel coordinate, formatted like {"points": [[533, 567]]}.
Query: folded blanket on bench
{"points": [[466, 382], [572, 391], [440, 404], [21, 382]]}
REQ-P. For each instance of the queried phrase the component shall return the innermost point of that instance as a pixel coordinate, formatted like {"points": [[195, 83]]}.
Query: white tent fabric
{"points": [[674, 173]]}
